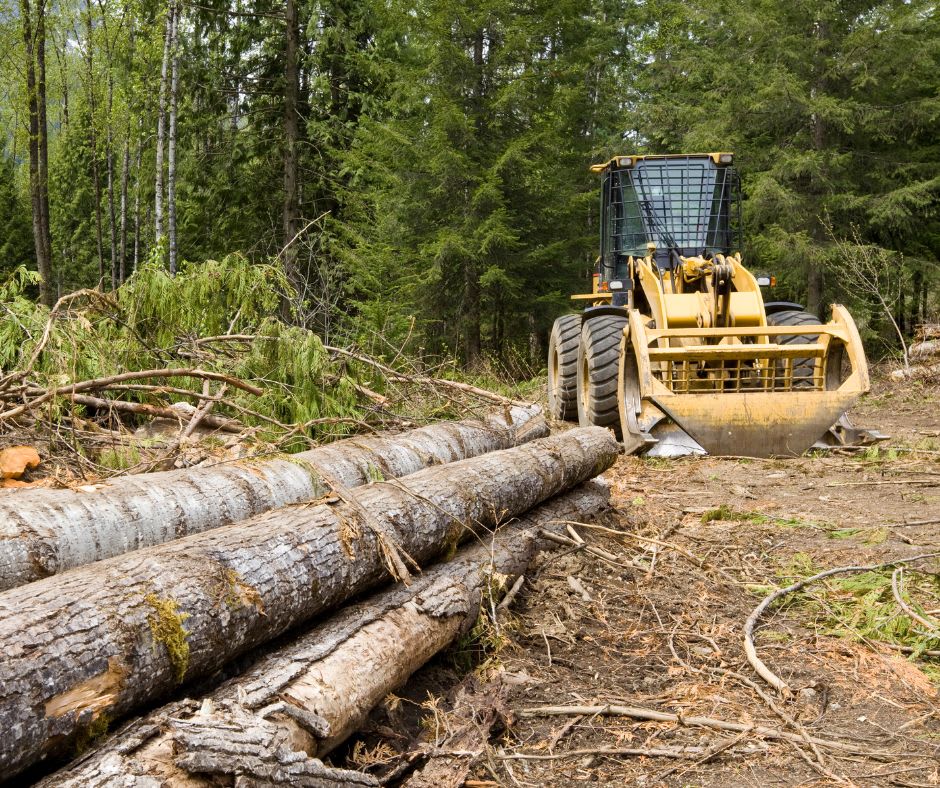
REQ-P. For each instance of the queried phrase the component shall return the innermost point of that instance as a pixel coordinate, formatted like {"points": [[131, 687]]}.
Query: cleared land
{"points": [[656, 621]]}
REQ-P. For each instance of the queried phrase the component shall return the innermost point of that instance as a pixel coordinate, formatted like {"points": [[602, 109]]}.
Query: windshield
{"points": [[682, 204]]}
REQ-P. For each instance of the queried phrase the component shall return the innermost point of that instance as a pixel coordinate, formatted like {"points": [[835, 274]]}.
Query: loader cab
{"points": [[684, 205]]}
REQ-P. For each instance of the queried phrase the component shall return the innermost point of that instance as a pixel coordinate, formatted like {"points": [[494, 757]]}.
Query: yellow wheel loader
{"points": [[676, 349]]}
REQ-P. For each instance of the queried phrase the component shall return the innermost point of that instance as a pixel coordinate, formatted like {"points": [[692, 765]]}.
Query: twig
{"points": [[203, 410], [762, 670], [897, 578], [707, 756], [423, 380], [640, 713], [649, 752], [511, 594], [595, 551]]}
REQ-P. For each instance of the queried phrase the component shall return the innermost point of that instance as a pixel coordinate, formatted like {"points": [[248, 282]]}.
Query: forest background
{"points": [[420, 169]]}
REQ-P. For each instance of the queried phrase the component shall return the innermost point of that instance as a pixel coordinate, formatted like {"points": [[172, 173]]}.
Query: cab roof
{"points": [[630, 160]]}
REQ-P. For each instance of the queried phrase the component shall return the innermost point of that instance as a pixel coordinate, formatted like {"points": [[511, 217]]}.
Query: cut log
{"points": [[101, 640], [924, 350], [300, 701], [44, 532]]}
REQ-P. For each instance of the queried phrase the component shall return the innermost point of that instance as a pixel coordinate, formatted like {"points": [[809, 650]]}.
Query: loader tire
{"points": [[563, 368], [598, 370], [802, 367]]}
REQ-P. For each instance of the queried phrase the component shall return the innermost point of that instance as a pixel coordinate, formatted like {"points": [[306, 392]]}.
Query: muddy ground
{"points": [[656, 619]]}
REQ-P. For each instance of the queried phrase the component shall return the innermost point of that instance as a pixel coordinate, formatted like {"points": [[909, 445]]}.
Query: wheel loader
{"points": [[676, 349]]}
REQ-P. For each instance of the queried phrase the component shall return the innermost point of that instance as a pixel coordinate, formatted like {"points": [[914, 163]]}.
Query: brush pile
{"points": [[131, 380]]}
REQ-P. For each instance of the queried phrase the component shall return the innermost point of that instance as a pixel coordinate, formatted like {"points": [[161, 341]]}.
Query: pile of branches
{"points": [[210, 349]]}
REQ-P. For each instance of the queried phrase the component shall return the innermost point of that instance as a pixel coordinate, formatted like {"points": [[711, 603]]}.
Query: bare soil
{"points": [[695, 544]]}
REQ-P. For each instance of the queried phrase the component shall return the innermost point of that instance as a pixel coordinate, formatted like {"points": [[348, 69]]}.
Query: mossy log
{"points": [[44, 532], [99, 641], [298, 702]]}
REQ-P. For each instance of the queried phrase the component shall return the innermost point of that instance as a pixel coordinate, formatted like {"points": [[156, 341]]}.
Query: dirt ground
{"points": [[656, 620]]}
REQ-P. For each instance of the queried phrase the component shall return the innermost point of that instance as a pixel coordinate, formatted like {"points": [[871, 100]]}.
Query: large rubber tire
{"points": [[802, 367], [598, 370], [563, 368]]}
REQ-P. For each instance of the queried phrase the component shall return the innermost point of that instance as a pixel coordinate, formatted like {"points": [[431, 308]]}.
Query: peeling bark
{"points": [[300, 701], [142, 623], [44, 532]]}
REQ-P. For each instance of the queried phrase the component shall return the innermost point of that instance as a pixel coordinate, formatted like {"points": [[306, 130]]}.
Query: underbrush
{"points": [[880, 607], [220, 335]]}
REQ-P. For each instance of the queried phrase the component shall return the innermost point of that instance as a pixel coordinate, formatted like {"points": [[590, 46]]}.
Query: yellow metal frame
{"points": [[756, 422]]}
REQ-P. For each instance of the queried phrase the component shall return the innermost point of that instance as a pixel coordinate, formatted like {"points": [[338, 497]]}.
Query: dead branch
{"points": [[105, 382], [641, 713], [466, 388], [897, 579], [641, 752], [142, 409], [751, 652]]}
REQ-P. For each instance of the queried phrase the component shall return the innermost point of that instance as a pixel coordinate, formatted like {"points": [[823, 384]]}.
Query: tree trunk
{"points": [[161, 125], [137, 164], [125, 175], [814, 273], [314, 692], [99, 641], [45, 532], [34, 40], [291, 211], [171, 143]]}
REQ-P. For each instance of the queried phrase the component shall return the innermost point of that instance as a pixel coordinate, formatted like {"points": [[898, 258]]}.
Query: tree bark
{"points": [[304, 699], [45, 532], [171, 143], [97, 642], [161, 126], [34, 40]]}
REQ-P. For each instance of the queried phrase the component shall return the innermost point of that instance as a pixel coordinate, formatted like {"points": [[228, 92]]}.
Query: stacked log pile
{"points": [[100, 641], [924, 355]]}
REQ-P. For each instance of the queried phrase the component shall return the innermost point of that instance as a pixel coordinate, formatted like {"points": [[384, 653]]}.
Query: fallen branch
{"points": [[155, 411], [105, 382], [639, 752], [423, 380], [751, 652], [897, 578], [640, 713]]}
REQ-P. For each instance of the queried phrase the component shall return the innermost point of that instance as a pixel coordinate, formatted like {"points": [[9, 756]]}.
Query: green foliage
{"points": [[16, 243], [443, 158], [159, 321]]}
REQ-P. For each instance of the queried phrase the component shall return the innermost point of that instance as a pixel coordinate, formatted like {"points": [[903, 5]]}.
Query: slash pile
{"points": [[151, 583]]}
